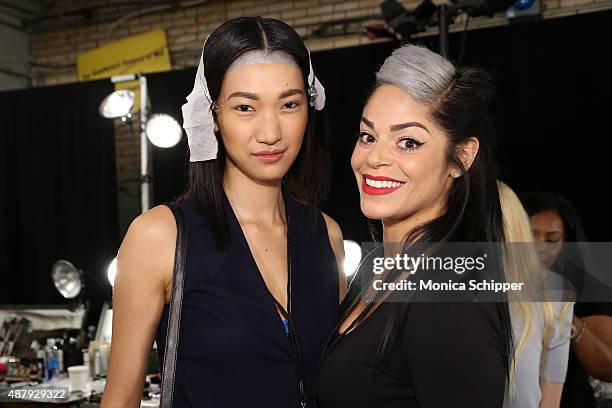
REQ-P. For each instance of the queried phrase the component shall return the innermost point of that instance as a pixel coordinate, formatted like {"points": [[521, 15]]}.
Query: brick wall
{"points": [[56, 42], [58, 39]]}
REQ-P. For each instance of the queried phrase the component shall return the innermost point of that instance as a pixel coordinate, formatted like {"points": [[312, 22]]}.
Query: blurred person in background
{"points": [[555, 222]]}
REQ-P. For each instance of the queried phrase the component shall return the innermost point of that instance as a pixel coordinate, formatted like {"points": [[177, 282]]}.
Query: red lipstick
{"points": [[379, 185]]}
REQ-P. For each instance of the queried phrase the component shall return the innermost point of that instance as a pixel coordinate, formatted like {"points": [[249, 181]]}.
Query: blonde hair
{"points": [[522, 264]]}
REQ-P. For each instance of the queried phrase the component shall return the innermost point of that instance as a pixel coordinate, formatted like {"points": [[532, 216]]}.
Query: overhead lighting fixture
{"points": [[378, 30], [118, 104], [476, 8], [525, 9], [404, 22], [163, 130]]}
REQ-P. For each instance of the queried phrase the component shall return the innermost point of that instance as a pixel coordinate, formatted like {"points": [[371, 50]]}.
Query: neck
{"points": [[254, 201], [396, 230]]}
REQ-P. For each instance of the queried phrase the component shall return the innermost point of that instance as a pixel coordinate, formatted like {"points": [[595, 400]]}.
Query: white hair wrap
{"points": [[198, 120]]}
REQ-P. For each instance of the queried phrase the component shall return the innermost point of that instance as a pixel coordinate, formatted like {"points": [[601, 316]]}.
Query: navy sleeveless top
{"points": [[233, 349]]}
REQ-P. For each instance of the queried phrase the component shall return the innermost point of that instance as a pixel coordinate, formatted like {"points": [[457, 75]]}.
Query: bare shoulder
{"points": [[333, 230], [157, 224], [148, 247]]}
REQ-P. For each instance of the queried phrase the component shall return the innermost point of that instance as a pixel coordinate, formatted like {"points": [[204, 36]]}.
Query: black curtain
{"points": [[551, 112], [553, 87], [57, 191]]}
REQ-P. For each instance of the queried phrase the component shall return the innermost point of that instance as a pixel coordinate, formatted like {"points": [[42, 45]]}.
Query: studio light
{"points": [[352, 256], [163, 130], [476, 8], [111, 272], [407, 23], [524, 9], [117, 104], [67, 279]]}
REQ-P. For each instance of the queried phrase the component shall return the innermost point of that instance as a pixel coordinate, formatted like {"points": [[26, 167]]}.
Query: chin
{"points": [[376, 211], [271, 175]]}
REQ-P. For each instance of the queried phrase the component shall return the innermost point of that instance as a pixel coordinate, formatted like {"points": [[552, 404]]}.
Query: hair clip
{"points": [[214, 107], [312, 93]]}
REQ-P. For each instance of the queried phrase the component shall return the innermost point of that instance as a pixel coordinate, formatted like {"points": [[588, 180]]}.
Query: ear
{"points": [[467, 151]]}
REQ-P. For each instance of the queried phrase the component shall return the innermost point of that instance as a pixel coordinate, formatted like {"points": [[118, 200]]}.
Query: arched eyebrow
{"points": [[395, 128], [368, 122], [255, 97], [402, 126]]}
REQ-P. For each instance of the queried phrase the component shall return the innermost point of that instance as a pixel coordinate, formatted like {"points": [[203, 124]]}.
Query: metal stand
{"points": [[443, 29], [145, 178]]}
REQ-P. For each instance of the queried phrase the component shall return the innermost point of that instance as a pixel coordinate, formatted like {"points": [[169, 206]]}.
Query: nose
{"points": [[269, 129], [378, 156], [540, 244]]}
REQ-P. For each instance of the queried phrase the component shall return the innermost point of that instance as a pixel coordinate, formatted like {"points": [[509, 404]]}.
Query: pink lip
{"points": [[270, 156], [378, 191]]}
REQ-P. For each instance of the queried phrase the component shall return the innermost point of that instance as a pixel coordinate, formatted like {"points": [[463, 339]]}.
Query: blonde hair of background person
{"points": [[522, 264]]}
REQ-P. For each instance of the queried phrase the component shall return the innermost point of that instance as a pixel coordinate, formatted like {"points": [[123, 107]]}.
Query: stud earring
{"points": [[457, 174]]}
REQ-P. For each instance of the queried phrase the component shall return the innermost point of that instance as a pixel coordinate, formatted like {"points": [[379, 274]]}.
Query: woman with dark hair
{"points": [[424, 166], [556, 226], [261, 284]]}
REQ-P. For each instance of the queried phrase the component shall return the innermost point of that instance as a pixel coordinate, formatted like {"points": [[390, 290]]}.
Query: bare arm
{"points": [[553, 366], [551, 394], [594, 347], [337, 243], [144, 274]]}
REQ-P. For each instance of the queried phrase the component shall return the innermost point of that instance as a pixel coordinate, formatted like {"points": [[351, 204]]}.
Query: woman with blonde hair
{"points": [[541, 329]]}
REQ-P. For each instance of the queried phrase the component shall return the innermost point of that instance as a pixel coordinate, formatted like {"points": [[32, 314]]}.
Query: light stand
{"points": [[161, 129], [443, 18], [145, 177]]}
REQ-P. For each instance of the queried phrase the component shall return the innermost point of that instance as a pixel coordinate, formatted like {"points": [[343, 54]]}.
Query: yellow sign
{"points": [[141, 53]]}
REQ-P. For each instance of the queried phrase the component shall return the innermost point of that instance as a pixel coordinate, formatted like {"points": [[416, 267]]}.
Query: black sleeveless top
{"points": [[233, 347], [444, 354]]}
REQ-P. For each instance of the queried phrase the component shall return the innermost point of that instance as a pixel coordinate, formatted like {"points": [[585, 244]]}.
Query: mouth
{"points": [[270, 156], [379, 185]]}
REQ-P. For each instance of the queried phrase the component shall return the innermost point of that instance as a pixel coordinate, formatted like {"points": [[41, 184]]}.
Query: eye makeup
{"points": [[408, 143]]}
